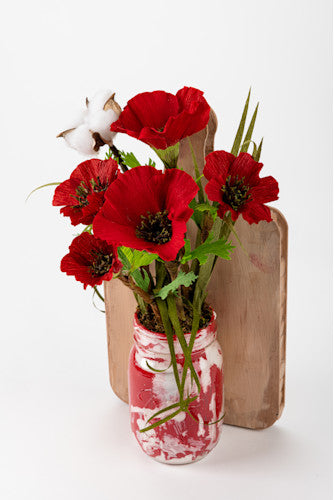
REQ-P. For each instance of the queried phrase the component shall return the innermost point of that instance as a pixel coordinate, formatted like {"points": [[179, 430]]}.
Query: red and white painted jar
{"points": [[183, 439]]}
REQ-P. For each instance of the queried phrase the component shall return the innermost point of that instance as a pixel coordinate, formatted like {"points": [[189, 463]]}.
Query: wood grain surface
{"points": [[120, 307], [249, 296]]}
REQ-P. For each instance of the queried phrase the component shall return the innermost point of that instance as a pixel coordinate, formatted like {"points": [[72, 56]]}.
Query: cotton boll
{"points": [[98, 101], [91, 129], [100, 122], [81, 139], [80, 117]]}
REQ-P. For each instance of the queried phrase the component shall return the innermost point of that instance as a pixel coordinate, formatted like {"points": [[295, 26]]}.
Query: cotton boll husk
{"points": [[98, 101], [100, 122], [81, 139]]}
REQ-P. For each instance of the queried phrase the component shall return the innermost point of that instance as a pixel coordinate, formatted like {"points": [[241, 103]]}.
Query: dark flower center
{"points": [[82, 191], [235, 193], [81, 194], [156, 228], [101, 264]]}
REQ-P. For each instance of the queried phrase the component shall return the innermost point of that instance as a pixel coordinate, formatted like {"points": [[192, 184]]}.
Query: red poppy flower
{"points": [[161, 119], [90, 260], [147, 209], [235, 184], [83, 193]]}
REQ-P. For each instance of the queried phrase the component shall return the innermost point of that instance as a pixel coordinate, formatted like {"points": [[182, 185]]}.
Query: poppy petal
{"points": [[217, 164], [244, 166], [82, 195], [83, 252], [161, 119], [266, 190], [214, 189], [254, 212], [138, 192]]}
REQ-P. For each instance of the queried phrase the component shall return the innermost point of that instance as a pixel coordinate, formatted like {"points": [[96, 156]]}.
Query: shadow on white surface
{"points": [[244, 445]]}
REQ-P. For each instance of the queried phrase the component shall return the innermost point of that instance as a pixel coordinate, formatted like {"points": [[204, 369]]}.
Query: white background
{"points": [[63, 432]]}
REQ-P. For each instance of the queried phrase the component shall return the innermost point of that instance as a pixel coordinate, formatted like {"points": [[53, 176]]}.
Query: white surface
{"points": [[63, 433]]}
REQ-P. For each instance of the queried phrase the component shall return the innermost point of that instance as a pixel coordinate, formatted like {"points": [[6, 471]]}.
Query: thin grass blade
{"points": [[160, 422], [156, 370], [175, 405], [40, 187], [240, 131], [249, 133], [258, 151]]}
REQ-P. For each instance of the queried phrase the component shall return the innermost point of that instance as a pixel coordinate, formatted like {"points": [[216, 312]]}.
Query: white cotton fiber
{"points": [[97, 102], [100, 122], [81, 139]]}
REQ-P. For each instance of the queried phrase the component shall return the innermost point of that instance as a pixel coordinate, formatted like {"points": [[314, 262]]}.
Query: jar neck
{"points": [[155, 342]]}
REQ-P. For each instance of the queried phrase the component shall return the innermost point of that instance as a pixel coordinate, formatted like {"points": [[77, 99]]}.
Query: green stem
{"points": [[98, 294], [172, 311], [231, 226], [206, 269], [194, 330], [141, 303], [160, 272], [201, 196], [118, 156], [88, 229], [195, 264], [201, 284], [225, 232], [169, 334]]}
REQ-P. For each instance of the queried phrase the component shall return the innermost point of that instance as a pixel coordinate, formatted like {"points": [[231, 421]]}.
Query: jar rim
{"points": [[162, 335]]}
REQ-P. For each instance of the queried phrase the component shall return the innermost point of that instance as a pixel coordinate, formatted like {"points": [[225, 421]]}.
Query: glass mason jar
{"points": [[185, 438]]}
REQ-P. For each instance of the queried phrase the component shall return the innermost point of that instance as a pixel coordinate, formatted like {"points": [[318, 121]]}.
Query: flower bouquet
{"points": [[136, 229]]}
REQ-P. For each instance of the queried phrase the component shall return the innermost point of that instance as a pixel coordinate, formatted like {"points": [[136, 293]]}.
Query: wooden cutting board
{"points": [[249, 296]]}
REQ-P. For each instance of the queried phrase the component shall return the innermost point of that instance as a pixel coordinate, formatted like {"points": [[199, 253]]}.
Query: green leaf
{"points": [[254, 150], [220, 248], [248, 136], [151, 163], [130, 160], [187, 246], [206, 207], [126, 257], [132, 259], [185, 279], [169, 156], [257, 155], [142, 281], [142, 258], [240, 131]]}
